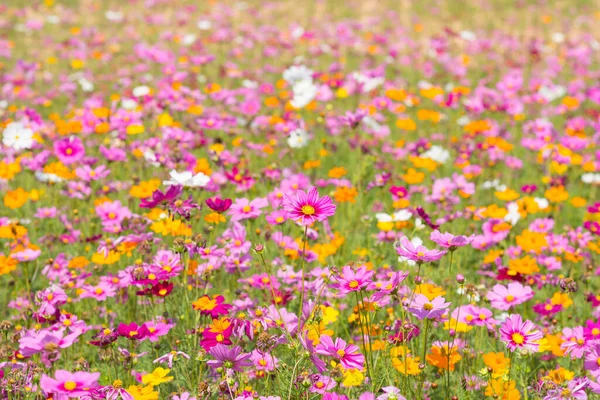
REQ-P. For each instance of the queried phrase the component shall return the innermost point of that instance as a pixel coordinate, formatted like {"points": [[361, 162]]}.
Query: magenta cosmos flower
{"points": [[70, 384], [353, 281], [308, 207], [69, 150], [348, 354], [519, 334], [419, 254], [421, 307], [229, 358], [505, 297]]}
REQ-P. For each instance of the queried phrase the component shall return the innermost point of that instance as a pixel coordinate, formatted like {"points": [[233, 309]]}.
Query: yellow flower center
{"points": [[319, 385], [428, 306], [70, 385], [162, 292], [118, 384], [509, 298], [341, 353], [133, 333], [69, 151], [353, 284], [308, 210], [98, 291], [595, 331], [420, 254], [518, 338], [246, 209]]}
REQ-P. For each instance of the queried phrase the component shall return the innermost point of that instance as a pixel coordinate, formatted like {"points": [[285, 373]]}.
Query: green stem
{"points": [[302, 277]]}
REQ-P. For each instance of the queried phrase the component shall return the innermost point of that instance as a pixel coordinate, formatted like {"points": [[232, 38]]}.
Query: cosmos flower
{"points": [[307, 207], [230, 358], [348, 354], [519, 334], [449, 241], [422, 308], [505, 297], [419, 254], [17, 136], [352, 281], [187, 179], [71, 384]]}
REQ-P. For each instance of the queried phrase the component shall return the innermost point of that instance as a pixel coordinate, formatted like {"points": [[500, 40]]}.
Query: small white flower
{"points": [[86, 85], [463, 120], [367, 82], [187, 178], [114, 16], [304, 93], [296, 74], [298, 138], [140, 91], [188, 39], [513, 216], [52, 19], [558, 37], [204, 25], [437, 153], [129, 104], [297, 32], [468, 36], [591, 178], [542, 202], [17, 136]]}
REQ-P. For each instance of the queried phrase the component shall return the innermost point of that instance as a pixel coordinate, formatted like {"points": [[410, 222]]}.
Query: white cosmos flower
{"points": [[114, 16], [552, 93], [513, 216], [17, 136], [204, 25], [298, 138], [304, 93], [140, 91], [437, 153], [468, 36], [187, 178], [297, 73], [129, 104], [367, 82]]}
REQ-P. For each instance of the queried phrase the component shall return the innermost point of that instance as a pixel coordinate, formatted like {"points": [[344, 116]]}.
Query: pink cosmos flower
{"points": [[348, 354], [449, 241], [321, 384], [353, 281], [418, 254], [592, 360], [307, 207], [574, 342], [519, 334], [69, 150], [421, 307], [170, 357], [70, 384], [391, 393], [263, 361], [46, 212], [505, 297], [245, 209]]}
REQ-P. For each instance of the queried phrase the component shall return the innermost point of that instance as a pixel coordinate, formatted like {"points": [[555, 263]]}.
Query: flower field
{"points": [[372, 200]]}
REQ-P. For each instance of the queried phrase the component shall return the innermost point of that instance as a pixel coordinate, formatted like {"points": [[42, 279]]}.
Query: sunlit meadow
{"points": [[339, 200]]}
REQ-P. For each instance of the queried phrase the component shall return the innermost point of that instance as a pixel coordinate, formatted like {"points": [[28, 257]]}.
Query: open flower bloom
{"points": [[71, 384], [307, 207], [519, 334], [348, 354], [187, 178], [421, 307], [419, 254]]}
